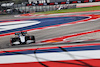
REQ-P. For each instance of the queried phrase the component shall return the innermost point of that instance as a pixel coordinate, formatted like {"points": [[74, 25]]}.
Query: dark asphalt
{"points": [[55, 32]]}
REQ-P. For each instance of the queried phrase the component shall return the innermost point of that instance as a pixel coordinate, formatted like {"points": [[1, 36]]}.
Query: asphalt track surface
{"points": [[58, 31], [37, 23]]}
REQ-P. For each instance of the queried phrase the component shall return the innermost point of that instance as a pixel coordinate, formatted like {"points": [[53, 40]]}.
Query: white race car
{"points": [[22, 38]]}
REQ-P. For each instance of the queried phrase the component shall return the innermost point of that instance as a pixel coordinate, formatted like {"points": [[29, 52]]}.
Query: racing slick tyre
{"points": [[14, 40], [33, 38], [30, 38]]}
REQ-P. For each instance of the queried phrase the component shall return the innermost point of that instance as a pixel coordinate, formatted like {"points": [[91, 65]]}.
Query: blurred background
{"points": [[29, 6]]}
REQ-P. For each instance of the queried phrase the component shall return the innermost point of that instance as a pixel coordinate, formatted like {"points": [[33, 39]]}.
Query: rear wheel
{"points": [[30, 38], [33, 38]]}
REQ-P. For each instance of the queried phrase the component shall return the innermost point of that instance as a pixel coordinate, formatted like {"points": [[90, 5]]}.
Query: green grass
{"points": [[71, 10]]}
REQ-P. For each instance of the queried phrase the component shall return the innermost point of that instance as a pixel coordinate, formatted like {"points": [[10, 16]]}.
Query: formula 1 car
{"points": [[22, 38]]}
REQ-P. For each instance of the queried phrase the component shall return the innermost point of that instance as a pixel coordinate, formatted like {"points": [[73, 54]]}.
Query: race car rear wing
{"points": [[17, 33]]}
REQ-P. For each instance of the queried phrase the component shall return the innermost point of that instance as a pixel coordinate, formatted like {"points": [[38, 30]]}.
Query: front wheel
{"points": [[14, 40]]}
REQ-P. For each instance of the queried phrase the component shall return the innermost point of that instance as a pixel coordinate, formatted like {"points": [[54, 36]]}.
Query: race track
{"points": [[58, 31]]}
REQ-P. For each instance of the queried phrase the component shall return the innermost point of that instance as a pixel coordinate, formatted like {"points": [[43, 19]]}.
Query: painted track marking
{"points": [[44, 23]]}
